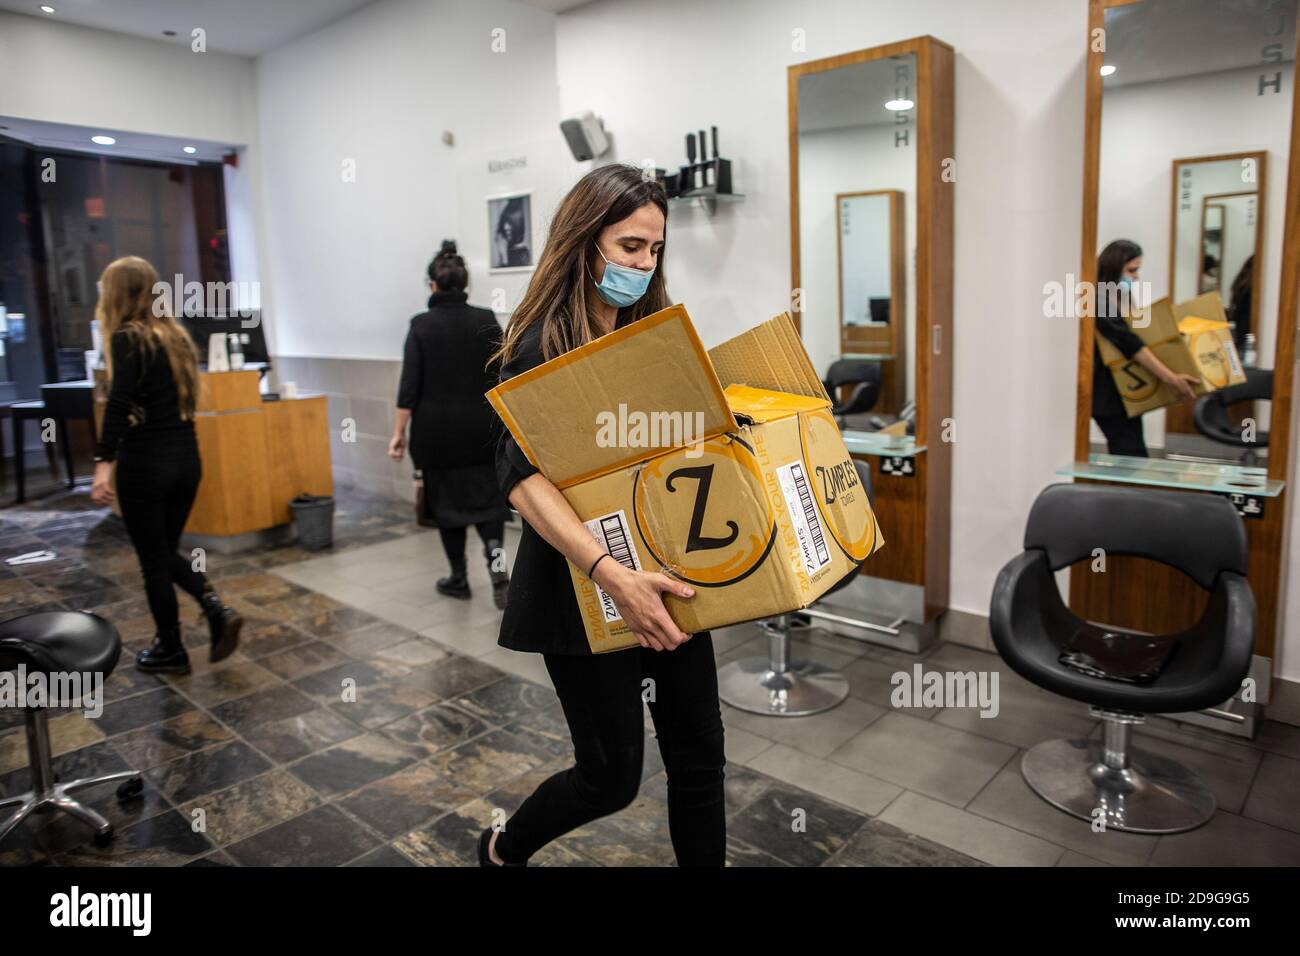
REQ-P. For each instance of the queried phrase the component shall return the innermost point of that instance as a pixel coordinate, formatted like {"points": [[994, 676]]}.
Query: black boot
{"points": [[224, 624], [457, 585], [166, 656], [484, 859], [496, 561]]}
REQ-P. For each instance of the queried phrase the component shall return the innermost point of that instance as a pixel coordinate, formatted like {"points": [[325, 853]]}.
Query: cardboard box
{"points": [[724, 469], [1192, 338]]}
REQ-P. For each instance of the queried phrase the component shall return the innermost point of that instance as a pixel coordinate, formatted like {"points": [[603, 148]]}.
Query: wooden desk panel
{"points": [[297, 435], [235, 494]]}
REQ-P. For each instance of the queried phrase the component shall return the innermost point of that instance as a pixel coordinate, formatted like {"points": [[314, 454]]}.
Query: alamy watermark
{"points": [[1073, 299], [637, 429], [234, 299], [83, 689], [946, 689]]}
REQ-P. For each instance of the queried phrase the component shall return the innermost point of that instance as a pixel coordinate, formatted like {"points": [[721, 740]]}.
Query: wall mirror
{"points": [[857, 193], [872, 298], [869, 132], [1190, 154], [1195, 111]]}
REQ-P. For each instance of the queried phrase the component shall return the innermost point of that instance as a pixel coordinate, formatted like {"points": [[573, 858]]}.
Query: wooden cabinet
{"points": [[256, 455]]}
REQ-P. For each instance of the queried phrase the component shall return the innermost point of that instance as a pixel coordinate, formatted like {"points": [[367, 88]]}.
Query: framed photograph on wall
{"points": [[510, 233]]}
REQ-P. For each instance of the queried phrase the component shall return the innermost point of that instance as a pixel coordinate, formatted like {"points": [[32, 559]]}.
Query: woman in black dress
{"points": [[446, 369], [1117, 273], [601, 268], [148, 430]]}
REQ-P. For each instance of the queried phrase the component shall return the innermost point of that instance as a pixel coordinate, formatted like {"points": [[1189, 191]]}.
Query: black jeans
{"points": [[1123, 435], [602, 699], [453, 540], [156, 488]]}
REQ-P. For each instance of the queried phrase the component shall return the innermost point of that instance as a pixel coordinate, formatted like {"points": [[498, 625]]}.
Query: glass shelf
{"points": [[883, 446], [867, 356], [1184, 475]]}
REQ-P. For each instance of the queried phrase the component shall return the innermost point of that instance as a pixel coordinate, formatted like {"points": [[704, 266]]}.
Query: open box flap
{"points": [[631, 394], [768, 356]]}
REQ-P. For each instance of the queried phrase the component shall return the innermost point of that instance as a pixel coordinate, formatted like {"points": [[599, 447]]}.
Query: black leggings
{"points": [[156, 488], [602, 699], [1123, 435], [453, 540]]}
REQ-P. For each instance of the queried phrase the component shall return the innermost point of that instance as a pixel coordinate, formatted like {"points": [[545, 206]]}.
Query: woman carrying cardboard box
{"points": [[602, 268], [1117, 268]]}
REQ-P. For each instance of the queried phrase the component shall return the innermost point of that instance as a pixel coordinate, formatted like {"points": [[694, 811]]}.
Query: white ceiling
{"points": [[241, 27], [854, 95], [135, 145], [1166, 39]]}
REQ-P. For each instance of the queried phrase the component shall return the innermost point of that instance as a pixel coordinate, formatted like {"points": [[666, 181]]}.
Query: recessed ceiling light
{"points": [[1107, 70], [897, 105], [191, 149], [46, 8], [103, 140]]}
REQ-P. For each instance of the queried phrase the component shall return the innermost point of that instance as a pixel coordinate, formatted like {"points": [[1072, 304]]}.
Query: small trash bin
{"points": [[314, 517]]}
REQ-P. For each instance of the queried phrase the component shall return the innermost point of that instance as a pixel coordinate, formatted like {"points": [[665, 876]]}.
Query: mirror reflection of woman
{"points": [[1118, 267], [601, 269]]}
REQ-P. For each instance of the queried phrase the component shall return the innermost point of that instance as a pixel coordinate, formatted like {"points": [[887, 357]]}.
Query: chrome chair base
{"points": [[48, 794], [777, 686], [57, 798], [803, 688], [1146, 794]]}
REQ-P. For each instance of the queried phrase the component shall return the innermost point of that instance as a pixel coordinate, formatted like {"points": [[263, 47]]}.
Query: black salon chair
{"points": [[864, 376], [66, 643], [1199, 534], [777, 686], [1210, 412]]}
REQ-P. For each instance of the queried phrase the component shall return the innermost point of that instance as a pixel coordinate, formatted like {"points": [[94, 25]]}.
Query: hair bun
{"points": [[448, 248]]}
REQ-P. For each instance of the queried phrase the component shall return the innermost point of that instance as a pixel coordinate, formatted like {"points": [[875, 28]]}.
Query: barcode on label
{"points": [[803, 515], [611, 533]]}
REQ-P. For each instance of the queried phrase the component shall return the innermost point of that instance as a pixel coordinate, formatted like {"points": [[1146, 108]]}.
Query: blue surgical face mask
{"points": [[621, 286], [1127, 281]]}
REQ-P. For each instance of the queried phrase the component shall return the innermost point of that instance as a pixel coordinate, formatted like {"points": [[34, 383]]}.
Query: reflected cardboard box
{"points": [[723, 469], [1192, 337]]}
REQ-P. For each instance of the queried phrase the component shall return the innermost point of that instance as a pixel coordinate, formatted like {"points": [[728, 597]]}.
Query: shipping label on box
{"points": [[762, 515]]}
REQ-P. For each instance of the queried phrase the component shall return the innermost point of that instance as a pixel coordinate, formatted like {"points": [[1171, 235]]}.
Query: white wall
{"points": [[655, 69], [379, 87]]}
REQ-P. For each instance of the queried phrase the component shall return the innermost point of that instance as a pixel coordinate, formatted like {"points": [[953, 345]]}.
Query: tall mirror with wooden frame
{"points": [[1191, 249], [871, 155]]}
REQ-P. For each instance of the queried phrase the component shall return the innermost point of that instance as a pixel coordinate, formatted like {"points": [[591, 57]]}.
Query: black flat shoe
{"points": [[483, 859], [456, 586]]}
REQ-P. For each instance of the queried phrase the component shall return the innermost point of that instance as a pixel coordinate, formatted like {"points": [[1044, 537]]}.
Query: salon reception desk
{"points": [[257, 456]]}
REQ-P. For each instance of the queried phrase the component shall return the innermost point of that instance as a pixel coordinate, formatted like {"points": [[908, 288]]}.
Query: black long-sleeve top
{"points": [[541, 609], [1106, 402], [143, 406], [445, 373]]}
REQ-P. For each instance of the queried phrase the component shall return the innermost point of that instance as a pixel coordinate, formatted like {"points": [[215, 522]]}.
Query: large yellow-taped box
{"points": [[723, 468], [1192, 338]]}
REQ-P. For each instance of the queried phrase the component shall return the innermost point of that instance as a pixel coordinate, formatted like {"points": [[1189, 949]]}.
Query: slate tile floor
{"points": [[445, 727]]}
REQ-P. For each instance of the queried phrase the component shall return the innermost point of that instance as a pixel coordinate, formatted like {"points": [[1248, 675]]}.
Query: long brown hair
{"points": [[127, 302], [561, 296]]}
